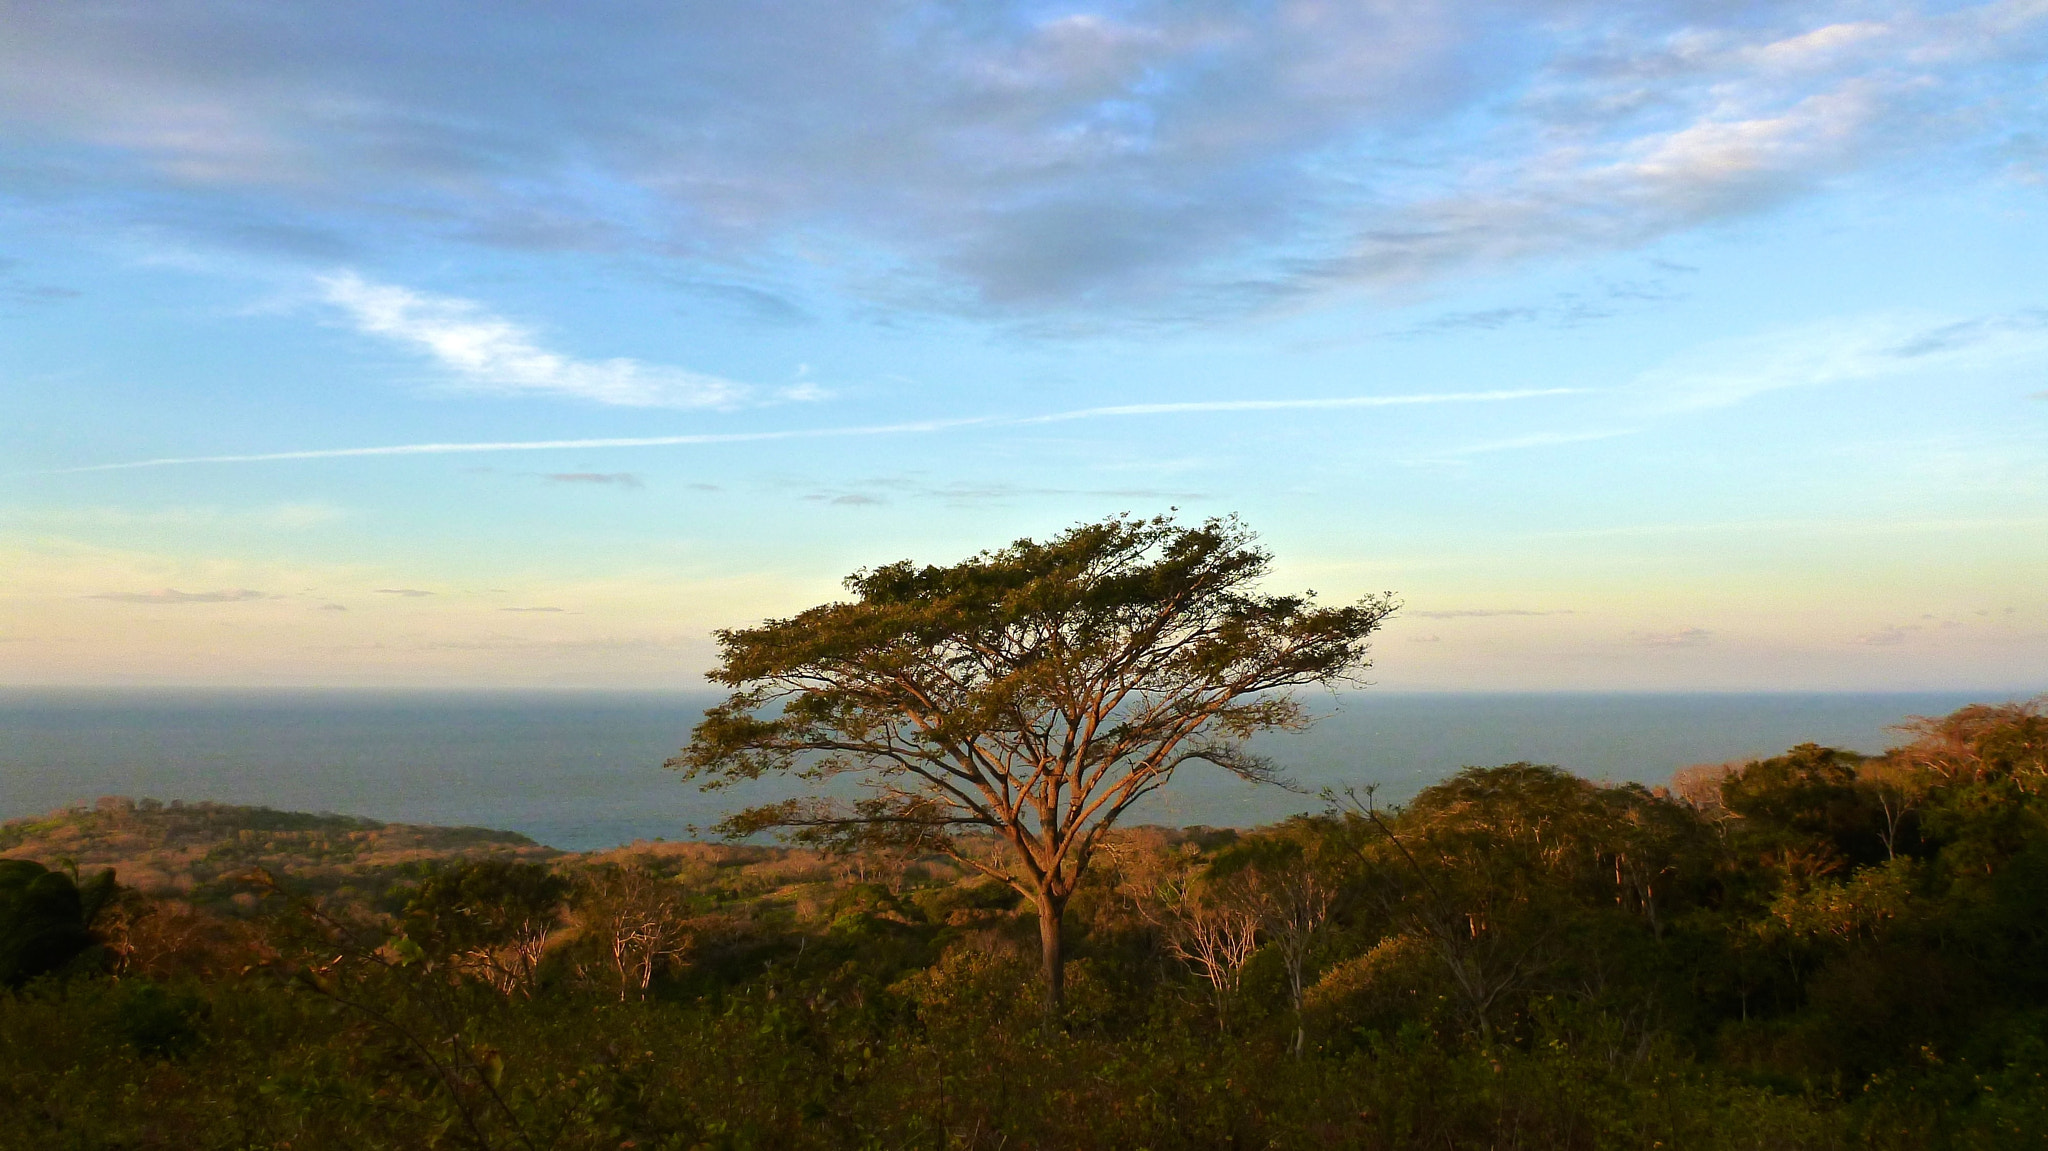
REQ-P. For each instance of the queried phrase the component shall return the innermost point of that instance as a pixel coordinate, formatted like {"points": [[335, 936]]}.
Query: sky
{"points": [[1662, 345]]}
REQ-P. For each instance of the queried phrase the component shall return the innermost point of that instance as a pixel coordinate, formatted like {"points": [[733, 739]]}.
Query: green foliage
{"points": [[487, 918], [158, 1021], [1805, 809], [482, 903], [46, 919], [1517, 958]]}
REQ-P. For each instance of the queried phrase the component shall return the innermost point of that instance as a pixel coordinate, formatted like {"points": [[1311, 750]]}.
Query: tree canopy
{"points": [[1037, 691]]}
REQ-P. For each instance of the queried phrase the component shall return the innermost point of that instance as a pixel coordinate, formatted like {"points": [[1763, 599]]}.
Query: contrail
{"points": [[915, 428], [1284, 405], [529, 445]]}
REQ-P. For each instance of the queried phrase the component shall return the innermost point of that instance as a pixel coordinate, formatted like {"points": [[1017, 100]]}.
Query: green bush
{"points": [[46, 920]]}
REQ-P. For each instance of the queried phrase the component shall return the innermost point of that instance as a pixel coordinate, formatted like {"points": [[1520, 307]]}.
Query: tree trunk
{"points": [[1050, 910], [1296, 977]]}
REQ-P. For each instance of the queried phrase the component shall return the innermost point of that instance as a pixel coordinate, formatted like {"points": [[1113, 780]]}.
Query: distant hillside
{"points": [[194, 850], [201, 853]]}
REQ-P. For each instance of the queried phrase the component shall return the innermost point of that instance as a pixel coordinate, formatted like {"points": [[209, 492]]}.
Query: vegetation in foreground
{"points": [[1813, 950]]}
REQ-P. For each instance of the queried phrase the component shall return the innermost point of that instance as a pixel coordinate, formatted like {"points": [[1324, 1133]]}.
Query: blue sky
{"points": [[1661, 346]]}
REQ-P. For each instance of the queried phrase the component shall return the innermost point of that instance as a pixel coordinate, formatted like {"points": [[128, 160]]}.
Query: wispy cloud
{"points": [[964, 494], [1198, 406], [277, 517], [1651, 129], [488, 353], [514, 643], [1683, 637], [1846, 351], [173, 595], [1480, 319], [1653, 184], [407, 592], [611, 479], [1879, 526], [1480, 613], [921, 427], [1523, 443], [464, 448], [1567, 310]]}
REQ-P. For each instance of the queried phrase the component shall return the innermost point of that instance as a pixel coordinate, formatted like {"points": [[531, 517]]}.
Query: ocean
{"points": [[582, 771]]}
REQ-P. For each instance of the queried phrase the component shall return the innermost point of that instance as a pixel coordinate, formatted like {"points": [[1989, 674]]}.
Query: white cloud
{"points": [[1683, 637], [610, 479], [173, 595], [1819, 47], [1592, 193], [491, 354], [1151, 159], [1486, 613], [1628, 135]]}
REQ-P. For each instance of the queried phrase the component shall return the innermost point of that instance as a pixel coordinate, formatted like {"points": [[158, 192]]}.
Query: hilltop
{"points": [[195, 850], [205, 857]]}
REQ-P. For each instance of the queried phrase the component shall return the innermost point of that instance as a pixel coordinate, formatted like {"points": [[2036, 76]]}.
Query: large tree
{"points": [[1036, 691]]}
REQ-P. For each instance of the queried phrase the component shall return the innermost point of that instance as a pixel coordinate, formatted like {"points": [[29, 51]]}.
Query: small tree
{"points": [[642, 920], [1899, 788], [1037, 691], [1211, 923], [1469, 869], [1289, 876], [490, 918], [1982, 742]]}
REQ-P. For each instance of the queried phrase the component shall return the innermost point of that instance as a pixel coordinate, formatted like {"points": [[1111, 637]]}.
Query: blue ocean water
{"points": [[582, 771]]}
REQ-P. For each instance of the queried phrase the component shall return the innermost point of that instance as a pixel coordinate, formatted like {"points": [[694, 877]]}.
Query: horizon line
{"points": [[2018, 693]]}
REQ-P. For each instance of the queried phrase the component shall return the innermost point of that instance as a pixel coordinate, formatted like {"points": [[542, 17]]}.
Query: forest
{"points": [[1817, 949]]}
